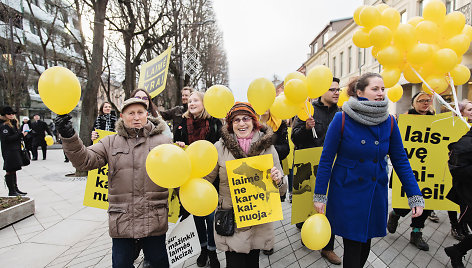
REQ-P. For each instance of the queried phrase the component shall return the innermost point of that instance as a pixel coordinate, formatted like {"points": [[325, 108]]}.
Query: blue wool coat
{"points": [[358, 181]]}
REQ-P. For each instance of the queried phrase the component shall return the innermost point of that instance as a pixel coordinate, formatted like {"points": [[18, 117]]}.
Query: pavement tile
{"points": [[378, 263], [421, 259], [311, 258], [317, 264], [389, 255], [400, 261], [38, 255], [285, 261]]}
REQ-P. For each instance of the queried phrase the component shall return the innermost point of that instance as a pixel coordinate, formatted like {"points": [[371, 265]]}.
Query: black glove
{"points": [[64, 125]]}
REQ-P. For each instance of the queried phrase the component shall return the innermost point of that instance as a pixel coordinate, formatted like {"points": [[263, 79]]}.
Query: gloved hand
{"points": [[64, 125]]}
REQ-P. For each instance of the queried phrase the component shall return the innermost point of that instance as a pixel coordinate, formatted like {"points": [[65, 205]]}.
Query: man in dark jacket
{"points": [[38, 129], [175, 114], [325, 107]]}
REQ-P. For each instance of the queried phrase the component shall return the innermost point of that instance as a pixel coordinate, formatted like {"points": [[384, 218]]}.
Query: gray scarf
{"points": [[369, 113]]}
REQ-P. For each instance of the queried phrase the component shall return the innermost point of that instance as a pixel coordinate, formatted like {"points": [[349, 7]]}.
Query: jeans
{"points": [[240, 260], [205, 231], [154, 249], [355, 253]]}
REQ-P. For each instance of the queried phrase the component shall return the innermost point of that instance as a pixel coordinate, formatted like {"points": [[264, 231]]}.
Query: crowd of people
{"points": [[358, 141]]}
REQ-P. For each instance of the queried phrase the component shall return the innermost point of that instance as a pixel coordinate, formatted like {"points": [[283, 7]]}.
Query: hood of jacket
{"points": [[257, 147]]}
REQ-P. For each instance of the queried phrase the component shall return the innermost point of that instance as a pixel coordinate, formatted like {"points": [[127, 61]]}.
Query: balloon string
{"points": [[308, 114], [439, 98]]}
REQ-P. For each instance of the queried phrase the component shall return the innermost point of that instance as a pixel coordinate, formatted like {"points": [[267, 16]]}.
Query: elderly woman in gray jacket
{"points": [[137, 207]]}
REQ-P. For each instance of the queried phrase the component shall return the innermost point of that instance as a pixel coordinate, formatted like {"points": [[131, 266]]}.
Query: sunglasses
{"points": [[143, 98], [334, 89], [9, 113], [245, 119]]}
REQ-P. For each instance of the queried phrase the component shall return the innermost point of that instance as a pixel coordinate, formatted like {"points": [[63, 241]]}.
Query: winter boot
{"points": [[416, 238], [16, 186], [392, 222], [214, 262], [456, 231], [9, 179], [203, 258], [455, 255]]}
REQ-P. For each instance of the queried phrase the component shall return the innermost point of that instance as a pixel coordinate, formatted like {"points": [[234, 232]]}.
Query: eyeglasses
{"points": [[423, 101], [245, 119], [334, 90], [143, 98], [9, 113]]}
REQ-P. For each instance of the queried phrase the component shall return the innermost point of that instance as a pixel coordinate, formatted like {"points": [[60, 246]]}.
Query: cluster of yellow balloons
{"points": [[49, 140], [426, 48], [59, 89], [218, 100], [316, 232], [169, 166]]}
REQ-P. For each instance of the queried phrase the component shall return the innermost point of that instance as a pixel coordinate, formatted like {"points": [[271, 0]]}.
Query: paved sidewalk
{"points": [[64, 233]]}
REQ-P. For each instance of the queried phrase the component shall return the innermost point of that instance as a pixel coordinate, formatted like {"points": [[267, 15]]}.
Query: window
{"points": [[420, 8], [325, 38], [349, 59], [316, 47], [360, 57], [341, 56], [334, 66], [450, 6], [36, 59], [33, 27], [404, 16]]}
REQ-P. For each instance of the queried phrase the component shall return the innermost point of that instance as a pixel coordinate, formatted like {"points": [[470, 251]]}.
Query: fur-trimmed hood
{"points": [[154, 126], [261, 141]]}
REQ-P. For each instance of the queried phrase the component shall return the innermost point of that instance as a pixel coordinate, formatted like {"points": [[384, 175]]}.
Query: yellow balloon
{"points": [[356, 15], [282, 108], [218, 100], [369, 17], [294, 75], [444, 60], [391, 18], [316, 232], [404, 36], [467, 31], [306, 111], [49, 140], [435, 11], [375, 51], [296, 91], [381, 7], [437, 82], [168, 166], [389, 56], [380, 36], [453, 24], [199, 197], [343, 96], [415, 20], [360, 38], [395, 93], [410, 75], [419, 53], [59, 89], [459, 43], [260, 94], [203, 157], [319, 79], [427, 32], [460, 74], [390, 76]]}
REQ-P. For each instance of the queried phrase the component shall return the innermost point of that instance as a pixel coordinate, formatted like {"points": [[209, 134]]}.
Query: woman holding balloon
{"points": [[196, 125], [244, 136], [360, 139]]}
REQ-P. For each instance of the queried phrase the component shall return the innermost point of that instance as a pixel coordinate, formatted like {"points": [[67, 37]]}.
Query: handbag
{"points": [[224, 222], [25, 157]]}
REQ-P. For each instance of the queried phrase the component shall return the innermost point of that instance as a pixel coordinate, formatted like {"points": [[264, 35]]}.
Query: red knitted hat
{"points": [[241, 108]]}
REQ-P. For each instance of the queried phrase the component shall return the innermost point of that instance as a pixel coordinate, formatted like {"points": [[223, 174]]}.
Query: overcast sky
{"points": [[267, 37]]}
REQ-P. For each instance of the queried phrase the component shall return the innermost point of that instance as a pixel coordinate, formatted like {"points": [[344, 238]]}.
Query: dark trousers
{"points": [[465, 245], [239, 260], [35, 150], [355, 253], [205, 230], [154, 249], [417, 222], [330, 245]]}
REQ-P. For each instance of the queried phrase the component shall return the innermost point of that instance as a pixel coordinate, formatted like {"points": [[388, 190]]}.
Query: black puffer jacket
{"points": [[303, 138], [11, 146], [181, 131], [280, 141]]}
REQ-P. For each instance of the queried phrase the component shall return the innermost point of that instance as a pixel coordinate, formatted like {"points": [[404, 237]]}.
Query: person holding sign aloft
{"points": [[243, 136], [360, 138]]}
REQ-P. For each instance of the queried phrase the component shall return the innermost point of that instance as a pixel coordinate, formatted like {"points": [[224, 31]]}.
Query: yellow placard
{"points": [[305, 167], [425, 139], [153, 74], [96, 189], [256, 198]]}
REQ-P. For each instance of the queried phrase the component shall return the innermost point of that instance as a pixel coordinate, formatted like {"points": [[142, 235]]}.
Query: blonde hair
{"points": [[417, 96], [463, 103], [8, 121], [204, 114]]}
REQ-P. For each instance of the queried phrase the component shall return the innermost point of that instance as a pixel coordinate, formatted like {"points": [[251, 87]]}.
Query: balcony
{"points": [[465, 9]]}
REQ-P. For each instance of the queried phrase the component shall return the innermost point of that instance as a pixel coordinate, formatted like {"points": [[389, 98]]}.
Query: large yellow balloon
{"points": [[261, 94], [360, 38], [218, 100], [395, 93], [306, 110], [389, 56], [419, 53], [390, 76], [369, 17], [316, 232], [343, 96], [282, 108], [415, 20], [203, 157], [381, 7], [296, 91], [404, 36], [294, 75], [460, 74], [437, 82], [59, 89], [467, 31], [435, 11], [199, 197], [380, 36], [319, 79], [444, 60], [410, 75], [168, 166], [459, 43], [453, 24], [427, 32], [49, 140], [356, 15], [391, 18]]}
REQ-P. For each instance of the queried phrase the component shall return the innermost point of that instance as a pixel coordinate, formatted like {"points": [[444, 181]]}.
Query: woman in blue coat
{"points": [[357, 200]]}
